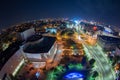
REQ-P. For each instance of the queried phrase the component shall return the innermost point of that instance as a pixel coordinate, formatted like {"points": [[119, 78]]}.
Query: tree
{"points": [[91, 62], [95, 74], [51, 76]]}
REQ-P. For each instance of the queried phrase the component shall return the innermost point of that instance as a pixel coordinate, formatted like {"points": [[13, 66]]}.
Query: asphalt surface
{"points": [[102, 65]]}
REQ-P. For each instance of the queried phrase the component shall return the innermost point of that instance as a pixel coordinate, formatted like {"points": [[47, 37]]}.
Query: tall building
{"points": [[11, 64], [38, 52], [108, 43]]}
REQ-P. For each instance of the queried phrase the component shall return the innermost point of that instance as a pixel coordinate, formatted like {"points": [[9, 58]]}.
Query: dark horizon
{"points": [[14, 12]]}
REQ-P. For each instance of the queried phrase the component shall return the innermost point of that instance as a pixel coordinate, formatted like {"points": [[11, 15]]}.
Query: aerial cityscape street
{"points": [[60, 49], [59, 39]]}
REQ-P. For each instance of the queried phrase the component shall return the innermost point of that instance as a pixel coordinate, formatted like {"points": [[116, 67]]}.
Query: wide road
{"points": [[102, 63]]}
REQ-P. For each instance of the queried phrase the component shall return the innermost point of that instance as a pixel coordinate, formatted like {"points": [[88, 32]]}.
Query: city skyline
{"points": [[72, 49]]}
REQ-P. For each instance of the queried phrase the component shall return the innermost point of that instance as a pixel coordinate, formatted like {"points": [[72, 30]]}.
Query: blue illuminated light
{"points": [[74, 75], [37, 74], [107, 31], [77, 22]]}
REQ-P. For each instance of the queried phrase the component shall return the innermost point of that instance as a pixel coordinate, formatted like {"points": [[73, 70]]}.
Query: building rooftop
{"points": [[34, 38], [42, 47], [109, 39]]}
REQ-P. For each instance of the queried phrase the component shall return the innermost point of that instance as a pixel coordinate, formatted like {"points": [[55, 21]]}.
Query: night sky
{"points": [[17, 11]]}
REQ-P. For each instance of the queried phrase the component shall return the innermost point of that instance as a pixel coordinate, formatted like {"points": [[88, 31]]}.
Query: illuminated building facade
{"points": [[40, 51], [108, 43], [26, 34], [43, 49], [12, 65], [51, 30]]}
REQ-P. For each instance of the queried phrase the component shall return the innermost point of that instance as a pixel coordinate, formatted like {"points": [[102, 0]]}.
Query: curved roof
{"points": [[34, 38], [110, 39], [41, 47]]}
